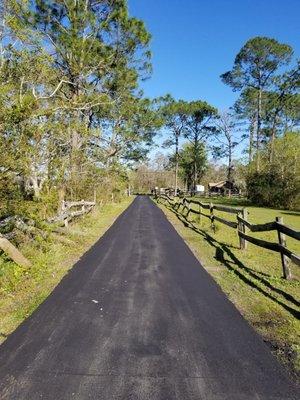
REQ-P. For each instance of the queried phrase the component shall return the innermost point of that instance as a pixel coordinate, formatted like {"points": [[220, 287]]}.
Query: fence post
{"points": [[245, 217], [284, 260], [241, 228], [180, 203], [188, 209], [200, 211], [212, 218]]}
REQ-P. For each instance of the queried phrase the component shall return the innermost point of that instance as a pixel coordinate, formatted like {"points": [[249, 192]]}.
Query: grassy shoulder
{"points": [[252, 278], [23, 289]]}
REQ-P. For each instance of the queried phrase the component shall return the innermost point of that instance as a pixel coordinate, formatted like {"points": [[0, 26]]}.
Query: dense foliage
{"points": [[268, 107], [277, 184], [73, 118], [71, 112], [193, 164]]}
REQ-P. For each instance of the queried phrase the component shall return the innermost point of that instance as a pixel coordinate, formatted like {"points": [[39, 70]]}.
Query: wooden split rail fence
{"points": [[66, 214], [242, 225]]}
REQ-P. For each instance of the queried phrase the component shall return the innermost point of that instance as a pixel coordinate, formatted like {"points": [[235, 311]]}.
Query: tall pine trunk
{"points": [[258, 129], [251, 138], [273, 136], [229, 174], [176, 163]]}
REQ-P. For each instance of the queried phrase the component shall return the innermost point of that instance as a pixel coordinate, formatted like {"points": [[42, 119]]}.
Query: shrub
{"points": [[270, 188]]}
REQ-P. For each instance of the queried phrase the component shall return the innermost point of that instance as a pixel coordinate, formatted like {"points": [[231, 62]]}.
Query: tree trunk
{"points": [[229, 174], [36, 184], [176, 163], [195, 163], [251, 137], [273, 136], [195, 175], [61, 198], [76, 140], [258, 129], [13, 253]]}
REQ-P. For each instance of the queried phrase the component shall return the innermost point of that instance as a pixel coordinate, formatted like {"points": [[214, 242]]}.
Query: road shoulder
{"points": [[268, 312], [23, 290]]}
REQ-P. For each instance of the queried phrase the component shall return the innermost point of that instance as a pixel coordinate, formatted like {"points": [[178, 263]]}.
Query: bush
{"points": [[270, 188]]}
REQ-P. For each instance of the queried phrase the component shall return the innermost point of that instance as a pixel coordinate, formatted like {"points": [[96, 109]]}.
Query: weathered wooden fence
{"points": [[242, 225], [66, 214], [69, 210]]}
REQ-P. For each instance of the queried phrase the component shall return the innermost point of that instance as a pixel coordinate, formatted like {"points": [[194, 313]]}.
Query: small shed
{"points": [[223, 188], [217, 187]]}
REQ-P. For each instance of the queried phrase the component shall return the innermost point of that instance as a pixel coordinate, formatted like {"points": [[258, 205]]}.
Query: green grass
{"points": [[252, 278], [23, 289]]}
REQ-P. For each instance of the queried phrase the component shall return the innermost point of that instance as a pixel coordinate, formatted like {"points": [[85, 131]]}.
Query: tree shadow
{"points": [[230, 201], [296, 213], [235, 265]]}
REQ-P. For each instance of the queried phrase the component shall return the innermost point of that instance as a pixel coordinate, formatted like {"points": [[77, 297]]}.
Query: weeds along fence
{"points": [[242, 226]]}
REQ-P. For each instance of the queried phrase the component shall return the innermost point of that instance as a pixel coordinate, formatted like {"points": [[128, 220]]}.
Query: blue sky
{"points": [[194, 41]]}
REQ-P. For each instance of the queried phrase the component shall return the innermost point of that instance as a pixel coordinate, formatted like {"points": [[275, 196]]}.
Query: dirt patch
{"points": [[287, 355]]}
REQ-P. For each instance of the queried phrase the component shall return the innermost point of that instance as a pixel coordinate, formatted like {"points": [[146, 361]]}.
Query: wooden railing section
{"points": [[68, 211], [242, 225], [66, 214]]}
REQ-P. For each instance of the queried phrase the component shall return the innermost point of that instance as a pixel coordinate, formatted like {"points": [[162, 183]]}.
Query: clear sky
{"points": [[194, 41]]}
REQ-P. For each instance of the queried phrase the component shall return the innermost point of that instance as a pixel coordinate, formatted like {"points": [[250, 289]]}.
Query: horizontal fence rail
{"points": [[10, 226], [242, 225], [66, 214], [269, 226], [224, 221], [70, 204]]}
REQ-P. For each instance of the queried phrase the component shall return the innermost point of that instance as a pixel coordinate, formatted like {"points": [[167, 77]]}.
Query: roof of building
{"points": [[217, 184]]}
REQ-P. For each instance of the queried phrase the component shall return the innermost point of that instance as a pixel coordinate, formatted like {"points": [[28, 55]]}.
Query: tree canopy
{"points": [[72, 111]]}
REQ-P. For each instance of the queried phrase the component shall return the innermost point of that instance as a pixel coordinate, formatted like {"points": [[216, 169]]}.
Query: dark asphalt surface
{"points": [[138, 318]]}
